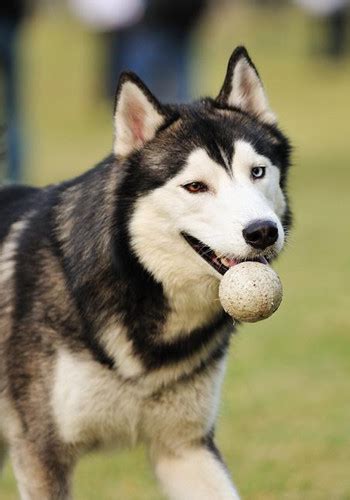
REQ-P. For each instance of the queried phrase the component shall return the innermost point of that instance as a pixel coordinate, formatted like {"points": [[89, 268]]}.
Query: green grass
{"points": [[285, 412]]}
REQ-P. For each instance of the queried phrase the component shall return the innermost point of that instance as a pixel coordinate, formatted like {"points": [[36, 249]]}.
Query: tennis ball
{"points": [[250, 291]]}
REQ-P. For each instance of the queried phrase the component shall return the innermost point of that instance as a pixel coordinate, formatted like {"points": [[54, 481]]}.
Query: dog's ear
{"points": [[137, 115], [243, 89]]}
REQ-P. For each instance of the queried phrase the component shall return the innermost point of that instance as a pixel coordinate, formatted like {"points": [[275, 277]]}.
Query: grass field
{"points": [[284, 425]]}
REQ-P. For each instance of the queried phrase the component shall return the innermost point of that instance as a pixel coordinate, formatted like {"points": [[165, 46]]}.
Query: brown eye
{"points": [[196, 187]]}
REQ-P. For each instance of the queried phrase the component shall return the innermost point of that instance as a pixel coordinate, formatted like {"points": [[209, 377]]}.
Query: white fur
{"points": [[167, 375], [248, 92], [194, 475], [92, 405], [179, 323], [272, 204], [216, 218], [183, 318], [119, 348], [8, 251], [136, 120]]}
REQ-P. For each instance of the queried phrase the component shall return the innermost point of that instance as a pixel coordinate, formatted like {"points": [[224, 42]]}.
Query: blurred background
{"points": [[284, 426]]}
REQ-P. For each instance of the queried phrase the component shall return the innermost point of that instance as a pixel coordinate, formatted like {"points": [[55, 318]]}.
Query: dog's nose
{"points": [[261, 234]]}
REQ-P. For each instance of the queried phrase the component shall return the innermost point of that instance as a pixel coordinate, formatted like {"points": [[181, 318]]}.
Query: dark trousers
{"points": [[9, 111]]}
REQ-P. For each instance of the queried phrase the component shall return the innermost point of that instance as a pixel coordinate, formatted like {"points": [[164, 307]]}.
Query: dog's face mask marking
{"points": [[226, 203], [211, 207], [215, 172]]}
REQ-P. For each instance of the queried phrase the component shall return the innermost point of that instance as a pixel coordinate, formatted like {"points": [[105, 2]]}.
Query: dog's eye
{"points": [[258, 172], [196, 187]]}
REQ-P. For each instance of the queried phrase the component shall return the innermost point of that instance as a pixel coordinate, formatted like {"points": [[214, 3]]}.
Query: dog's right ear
{"points": [[137, 115]]}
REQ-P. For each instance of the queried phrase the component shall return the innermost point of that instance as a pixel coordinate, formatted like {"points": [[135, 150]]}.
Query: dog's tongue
{"points": [[231, 262], [226, 261]]}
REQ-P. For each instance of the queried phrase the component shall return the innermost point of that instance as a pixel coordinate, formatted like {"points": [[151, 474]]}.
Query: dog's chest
{"points": [[91, 405]]}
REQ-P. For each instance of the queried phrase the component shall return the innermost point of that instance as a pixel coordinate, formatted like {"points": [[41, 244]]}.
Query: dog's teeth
{"points": [[226, 262]]}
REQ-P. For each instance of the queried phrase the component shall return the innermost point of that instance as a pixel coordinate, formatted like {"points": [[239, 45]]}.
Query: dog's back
{"points": [[15, 201]]}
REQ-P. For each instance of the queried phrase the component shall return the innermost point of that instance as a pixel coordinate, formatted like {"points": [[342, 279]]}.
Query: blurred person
{"points": [[334, 14], [271, 3], [154, 42], [108, 18], [12, 13], [107, 15], [158, 47]]}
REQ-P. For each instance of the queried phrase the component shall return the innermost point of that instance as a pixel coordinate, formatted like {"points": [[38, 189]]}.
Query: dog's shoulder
{"points": [[15, 202]]}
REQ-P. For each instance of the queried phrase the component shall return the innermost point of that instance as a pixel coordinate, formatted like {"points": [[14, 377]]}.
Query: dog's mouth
{"points": [[221, 264]]}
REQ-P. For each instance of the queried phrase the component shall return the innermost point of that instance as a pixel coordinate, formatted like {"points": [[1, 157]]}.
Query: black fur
{"points": [[238, 54], [14, 202]]}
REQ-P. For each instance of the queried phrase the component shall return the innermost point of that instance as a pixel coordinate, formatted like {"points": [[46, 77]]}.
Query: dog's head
{"points": [[204, 184]]}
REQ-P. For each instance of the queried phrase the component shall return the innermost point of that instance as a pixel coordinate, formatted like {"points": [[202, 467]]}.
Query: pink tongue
{"points": [[231, 262]]}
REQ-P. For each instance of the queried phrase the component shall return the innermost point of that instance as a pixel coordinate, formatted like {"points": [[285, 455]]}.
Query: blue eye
{"points": [[258, 172]]}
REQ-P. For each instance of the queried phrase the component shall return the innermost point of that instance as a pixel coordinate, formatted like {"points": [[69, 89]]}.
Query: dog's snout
{"points": [[261, 234]]}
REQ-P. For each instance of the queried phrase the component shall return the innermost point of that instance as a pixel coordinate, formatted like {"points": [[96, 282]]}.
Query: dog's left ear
{"points": [[243, 89], [137, 115]]}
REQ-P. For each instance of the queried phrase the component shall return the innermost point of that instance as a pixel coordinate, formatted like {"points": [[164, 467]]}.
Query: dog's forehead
{"points": [[200, 164], [216, 131], [199, 160], [219, 131]]}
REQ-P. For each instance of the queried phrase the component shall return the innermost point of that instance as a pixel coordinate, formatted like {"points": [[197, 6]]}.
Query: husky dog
{"points": [[111, 330]]}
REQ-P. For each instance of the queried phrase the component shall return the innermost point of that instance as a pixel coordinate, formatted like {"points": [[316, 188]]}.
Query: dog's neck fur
{"points": [[102, 290]]}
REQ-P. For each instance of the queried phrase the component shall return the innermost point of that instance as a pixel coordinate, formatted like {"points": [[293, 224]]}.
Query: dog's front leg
{"points": [[38, 477], [194, 473]]}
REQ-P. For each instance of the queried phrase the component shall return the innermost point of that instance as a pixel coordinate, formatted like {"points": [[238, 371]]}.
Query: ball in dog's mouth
{"points": [[250, 291]]}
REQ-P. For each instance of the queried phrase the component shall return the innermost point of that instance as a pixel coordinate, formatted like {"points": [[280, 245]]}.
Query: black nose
{"points": [[260, 233]]}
